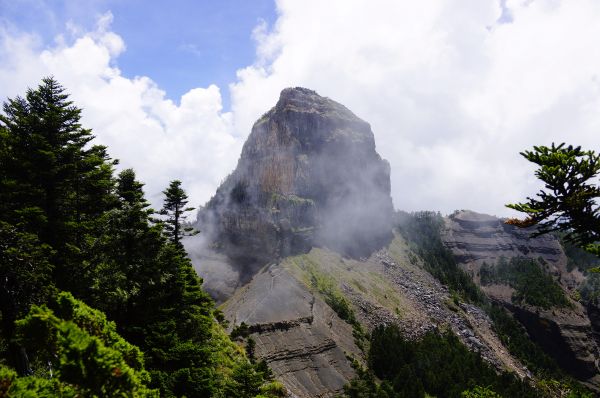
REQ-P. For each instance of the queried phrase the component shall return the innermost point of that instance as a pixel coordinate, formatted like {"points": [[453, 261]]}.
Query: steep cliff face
{"points": [[566, 333], [308, 175]]}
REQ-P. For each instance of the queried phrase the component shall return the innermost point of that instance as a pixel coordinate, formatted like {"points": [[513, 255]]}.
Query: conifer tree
{"points": [[81, 352], [148, 286], [54, 183], [25, 280], [569, 202], [174, 208], [67, 224]]}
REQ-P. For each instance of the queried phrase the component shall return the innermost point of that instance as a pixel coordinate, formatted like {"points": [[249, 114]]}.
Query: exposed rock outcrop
{"points": [[304, 342], [310, 201], [308, 175], [565, 333], [308, 346]]}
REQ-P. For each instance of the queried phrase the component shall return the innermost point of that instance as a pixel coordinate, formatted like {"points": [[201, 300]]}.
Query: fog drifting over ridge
{"points": [[452, 94]]}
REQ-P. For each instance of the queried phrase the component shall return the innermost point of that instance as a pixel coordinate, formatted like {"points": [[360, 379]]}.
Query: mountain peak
{"points": [[308, 175]]}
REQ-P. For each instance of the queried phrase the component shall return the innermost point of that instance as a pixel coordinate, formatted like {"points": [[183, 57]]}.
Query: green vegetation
{"points": [[570, 202], [68, 224], [532, 285], [578, 258], [437, 364], [87, 356], [587, 263], [479, 392], [174, 208], [514, 337], [422, 231], [327, 287]]}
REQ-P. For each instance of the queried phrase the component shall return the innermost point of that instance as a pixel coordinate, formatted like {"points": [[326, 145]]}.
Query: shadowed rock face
{"points": [[308, 175], [565, 333]]}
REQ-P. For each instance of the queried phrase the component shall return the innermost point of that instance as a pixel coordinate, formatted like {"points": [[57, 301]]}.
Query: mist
{"points": [[308, 176]]}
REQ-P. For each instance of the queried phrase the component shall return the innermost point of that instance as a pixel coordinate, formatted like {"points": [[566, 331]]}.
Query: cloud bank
{"points": [[191, 141], [452, 93]]}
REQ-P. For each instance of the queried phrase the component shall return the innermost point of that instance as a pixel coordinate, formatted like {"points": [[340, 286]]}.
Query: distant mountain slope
{"points": [[307, 343], [484, 244]]}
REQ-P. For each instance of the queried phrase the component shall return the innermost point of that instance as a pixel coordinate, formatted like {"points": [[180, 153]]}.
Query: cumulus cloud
{"points": [[453, 93], [160, 139]]}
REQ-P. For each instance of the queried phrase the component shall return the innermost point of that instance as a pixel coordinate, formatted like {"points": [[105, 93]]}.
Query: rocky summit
{"points": [[308, 176], [304, 253]]}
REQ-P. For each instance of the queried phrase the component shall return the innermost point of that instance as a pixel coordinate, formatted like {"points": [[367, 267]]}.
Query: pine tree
{"points": [[174, 208], [569, 202], [148, 286], [54, 183]]}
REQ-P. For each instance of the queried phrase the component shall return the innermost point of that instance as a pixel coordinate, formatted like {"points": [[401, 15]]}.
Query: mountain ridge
{"points": [[303, 249]]}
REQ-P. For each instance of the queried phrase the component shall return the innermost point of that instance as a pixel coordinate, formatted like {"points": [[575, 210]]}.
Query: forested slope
{"points": [[97, 299]]}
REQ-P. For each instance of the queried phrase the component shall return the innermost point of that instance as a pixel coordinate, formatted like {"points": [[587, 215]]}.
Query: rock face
{"points": [[308, 346], [308, 206], [308, 175], [565, 333], [304, 342]]}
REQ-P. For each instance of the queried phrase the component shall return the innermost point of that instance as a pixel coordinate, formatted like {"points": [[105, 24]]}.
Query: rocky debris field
{"points": [[434, 309]]}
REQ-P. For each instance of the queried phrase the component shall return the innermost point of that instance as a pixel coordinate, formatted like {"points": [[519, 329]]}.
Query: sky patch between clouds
{"points": [[452, 94]]}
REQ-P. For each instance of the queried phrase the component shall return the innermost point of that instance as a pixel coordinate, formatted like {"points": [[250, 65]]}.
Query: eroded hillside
{"points": [[294, 310], [303, 251]]}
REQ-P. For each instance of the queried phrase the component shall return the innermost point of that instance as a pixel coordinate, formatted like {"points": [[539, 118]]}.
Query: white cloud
{"points": [[161, 140], [452, 93]]}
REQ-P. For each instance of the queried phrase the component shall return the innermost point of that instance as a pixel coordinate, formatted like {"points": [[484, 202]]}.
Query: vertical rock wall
{"points": [[308, 175]]}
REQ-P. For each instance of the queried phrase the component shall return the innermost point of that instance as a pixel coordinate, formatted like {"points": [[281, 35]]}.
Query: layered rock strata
{"points": [[565, 333]]}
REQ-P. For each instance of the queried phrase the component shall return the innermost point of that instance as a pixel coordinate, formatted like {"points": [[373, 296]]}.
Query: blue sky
{"points": [[180, 44]]}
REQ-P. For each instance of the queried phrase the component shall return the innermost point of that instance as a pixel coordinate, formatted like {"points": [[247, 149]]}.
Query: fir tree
{"points": [[67, 224], [54, 183], [569, 202], [26, 280], [174, 208]]}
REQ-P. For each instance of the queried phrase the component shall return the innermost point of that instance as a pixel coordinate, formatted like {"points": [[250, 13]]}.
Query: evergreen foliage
{"points": [[569, 202], [437, 364], [174, 208], [422, 231], [514, 337], [81, 350], [55, 184], [26, 280], [479, 392], [532, 285], [587, 263], [577, 258], [68, 224]]}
